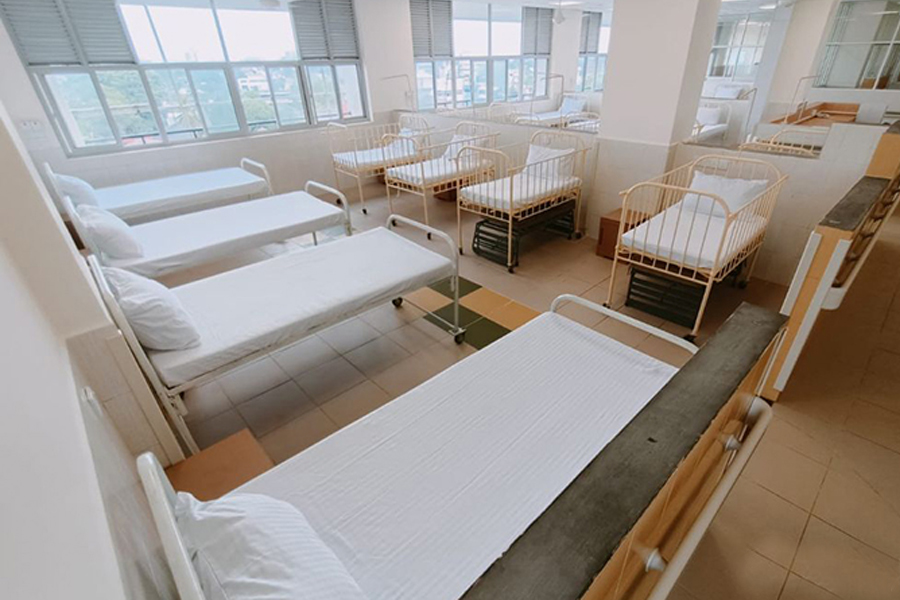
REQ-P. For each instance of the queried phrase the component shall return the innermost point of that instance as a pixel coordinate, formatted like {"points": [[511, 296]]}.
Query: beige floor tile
{"points": [[847, 502], [208, 432], [205, 402], [272, 409], [844, 566], [679, 593], [297, 435], [617, 330], [387, 318], [430, 329], [306, 354], [876, 424], [349, 335], [355, 403], [665, 351], [885, 364], [724, 568], [405, 375], [786, 434], [428, 299], [767, 523], [513, 315], [446, 354], [582, 314], [327, 381], [483, 301], [412, 338], [797, 588], [880, 391], [252, 380], [374, 357], [786, 473], [878, 466]]}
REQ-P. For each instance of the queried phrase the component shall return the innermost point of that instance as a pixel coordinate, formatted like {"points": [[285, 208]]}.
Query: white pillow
{"points": [[155, 314], [456, 145], [572, 104], [110, 234], [252, 547], [562, 167], [735, 192], [709, 115], [728, 91], [79, 190]]}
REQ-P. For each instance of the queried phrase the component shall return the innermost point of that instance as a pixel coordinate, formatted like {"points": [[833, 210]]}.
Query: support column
{"points": [[658, 54]]}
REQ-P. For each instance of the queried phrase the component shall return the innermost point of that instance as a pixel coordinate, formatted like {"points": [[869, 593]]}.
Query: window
{"points": [[593, 50], [738, 46], [863, 49], [470, 53], [129, 73]]}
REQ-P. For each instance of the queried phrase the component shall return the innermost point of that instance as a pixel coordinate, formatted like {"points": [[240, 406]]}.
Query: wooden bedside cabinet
{"points": [[609, 232]]}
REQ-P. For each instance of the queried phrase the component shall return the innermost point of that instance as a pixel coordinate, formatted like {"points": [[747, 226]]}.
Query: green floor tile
{"points": [[466, 316], [465, 287], [483, 332]]}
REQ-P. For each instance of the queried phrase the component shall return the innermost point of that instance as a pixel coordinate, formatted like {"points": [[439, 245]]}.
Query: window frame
{"points": [[736, 48], [39, 73], [597, 56]]}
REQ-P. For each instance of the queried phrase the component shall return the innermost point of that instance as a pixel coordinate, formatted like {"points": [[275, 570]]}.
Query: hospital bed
{"points": [[243, 314], [361, 151], [790, 140], [569, 105], [592, 471], [711, 123], [525, 182], [583, 121], [154, 199], [698, 223], [182, 242], [437, 168]]}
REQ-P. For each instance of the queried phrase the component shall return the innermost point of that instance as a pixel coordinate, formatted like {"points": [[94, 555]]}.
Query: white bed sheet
{"points": [[421, 496], [436, 170], [170, 196], [268, 303], [376, 158], [526, 189], [709, 132], [675, 237], [188, 240]]}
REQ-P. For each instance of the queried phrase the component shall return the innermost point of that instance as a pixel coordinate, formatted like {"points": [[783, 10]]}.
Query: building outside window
{"points": [[133, 73]]}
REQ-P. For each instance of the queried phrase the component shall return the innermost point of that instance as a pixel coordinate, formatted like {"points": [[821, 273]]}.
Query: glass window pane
{"points": [[499, 94], [463, 83], [527, 78], [187, 33], [579, 80], [351, 98], [255, 32], [590, 71], [175, 103], [755, 34], [215, 100], [141, 33], [506, 30], [425, 85], [324, 97], [872, 68], [747, 63], [470, 29], [540, 89], [80, 109], [288, 98], [601, 72], [604, 36], [127, 101], [479, 81], [721, 62], [865, 21], [724, 33], [443, 76], [846, 65], [514, 80], [256, 98]]}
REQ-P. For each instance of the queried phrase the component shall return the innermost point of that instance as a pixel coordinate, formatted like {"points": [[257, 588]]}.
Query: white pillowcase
{"points": [[735, 192], [456, 145], [572, 104], [155, 314], [562, 167], [110, 234], [728, 91], [709, 115], [252, 547], [79, 190]]}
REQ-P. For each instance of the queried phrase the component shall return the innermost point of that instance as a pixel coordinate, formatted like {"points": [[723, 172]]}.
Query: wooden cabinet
{"points": [[609, 232]]}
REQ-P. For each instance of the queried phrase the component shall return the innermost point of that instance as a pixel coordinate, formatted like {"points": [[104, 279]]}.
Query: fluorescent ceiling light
{"points": [[768, 7]]}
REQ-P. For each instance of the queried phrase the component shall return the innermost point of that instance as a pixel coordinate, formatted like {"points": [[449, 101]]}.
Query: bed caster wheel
{"points": [[393, 222], [742, 284], [461, 252], [339, 202], [429, 235], [578, 235], [397, 302], [365, 211], [460, 337], [690, 338], [511, 269]]}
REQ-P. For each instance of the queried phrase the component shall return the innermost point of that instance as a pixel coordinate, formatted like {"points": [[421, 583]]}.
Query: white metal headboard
{"points": [[162, 497]]}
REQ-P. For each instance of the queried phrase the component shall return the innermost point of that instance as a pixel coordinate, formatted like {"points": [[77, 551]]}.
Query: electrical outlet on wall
{"points": [[32, 129]]}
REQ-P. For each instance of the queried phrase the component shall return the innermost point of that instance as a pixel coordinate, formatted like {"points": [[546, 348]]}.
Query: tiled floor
{"points": [[816, 514]]}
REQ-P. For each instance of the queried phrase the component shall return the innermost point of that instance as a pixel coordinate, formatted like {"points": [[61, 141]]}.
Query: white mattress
{"points": [[169, 196], [709, 132], [268, 303], [435, 170], [676, 238], [421, 496], [526, 189], [550, 115], [376, 158], [187, 240]]}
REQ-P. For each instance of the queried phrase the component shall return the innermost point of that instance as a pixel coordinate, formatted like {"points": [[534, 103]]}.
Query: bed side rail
{"points": [[559, 301], [341, 200], [257, 168]]}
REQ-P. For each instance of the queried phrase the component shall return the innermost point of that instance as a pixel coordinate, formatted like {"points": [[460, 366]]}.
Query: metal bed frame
{"points": [[739, 242]]}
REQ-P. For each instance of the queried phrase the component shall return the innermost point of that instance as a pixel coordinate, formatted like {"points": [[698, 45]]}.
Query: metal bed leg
{"points": [[362, 198], [390, 197], [612, 284], [693, 334], [750, 266], [459, 236], [509, 247], [459, 336], [315, 239], [181, 426]]}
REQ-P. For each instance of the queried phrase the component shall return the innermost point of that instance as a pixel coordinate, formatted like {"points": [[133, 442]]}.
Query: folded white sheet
{"points": [[522, 188], [420, 497], [267, 303], [187, 240], [677, 235], [169, 196]]}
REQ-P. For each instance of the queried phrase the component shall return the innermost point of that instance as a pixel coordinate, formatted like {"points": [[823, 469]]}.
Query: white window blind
{"points": [[432, 27], [325, 29], [537, 30], [66, 32], [590, 32]]}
